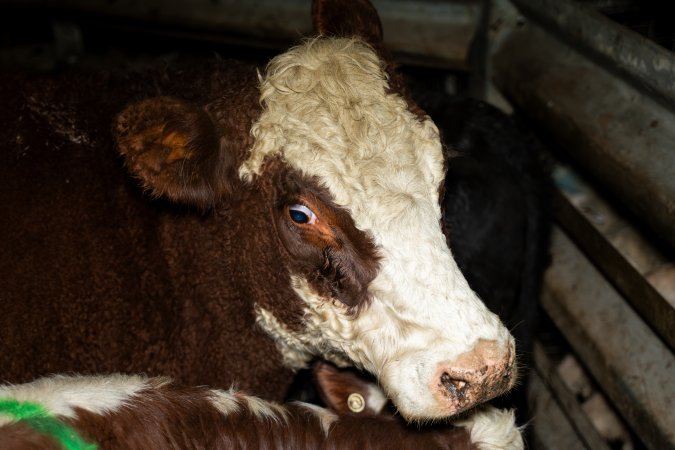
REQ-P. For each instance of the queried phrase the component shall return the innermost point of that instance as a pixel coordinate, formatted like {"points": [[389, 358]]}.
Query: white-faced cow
{"points": [[309, 226]]}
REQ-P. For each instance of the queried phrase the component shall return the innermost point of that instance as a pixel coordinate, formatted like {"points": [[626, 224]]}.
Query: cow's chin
{"points": [[425, 390]]}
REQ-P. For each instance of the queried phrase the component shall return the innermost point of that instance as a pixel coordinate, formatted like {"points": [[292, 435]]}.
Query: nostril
{"points": [[456, 387], [475, 376]]}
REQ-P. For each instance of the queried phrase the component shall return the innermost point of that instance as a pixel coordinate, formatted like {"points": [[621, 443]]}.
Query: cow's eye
{"points": [[301, 214]]}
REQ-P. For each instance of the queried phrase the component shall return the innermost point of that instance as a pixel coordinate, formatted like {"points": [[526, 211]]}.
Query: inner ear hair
{"points": [[174, 148]]}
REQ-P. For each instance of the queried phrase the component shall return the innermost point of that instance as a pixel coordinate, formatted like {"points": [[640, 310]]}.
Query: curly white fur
{"points": [[493, 429], [328, 113]]}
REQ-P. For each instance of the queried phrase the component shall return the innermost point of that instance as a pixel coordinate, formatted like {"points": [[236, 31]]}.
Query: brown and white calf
{"points": [[132, 412], [296, 215]]}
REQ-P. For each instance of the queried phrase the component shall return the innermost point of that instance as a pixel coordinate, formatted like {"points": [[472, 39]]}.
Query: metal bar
{"points": [[635, 369], [569, 404], [595, 226], [633, 56], [434, 33], [623, 137], [551, 429]]}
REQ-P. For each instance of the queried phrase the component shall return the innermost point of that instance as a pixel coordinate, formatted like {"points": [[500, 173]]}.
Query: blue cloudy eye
{"points": [[301, 214]]}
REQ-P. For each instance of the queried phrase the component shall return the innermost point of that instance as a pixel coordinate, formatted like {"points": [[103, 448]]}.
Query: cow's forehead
{"points": [[328, 112]]}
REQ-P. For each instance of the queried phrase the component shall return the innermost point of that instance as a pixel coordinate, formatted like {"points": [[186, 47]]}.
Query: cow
{"points": [[496, 216], [132, 412], [268, 216]]}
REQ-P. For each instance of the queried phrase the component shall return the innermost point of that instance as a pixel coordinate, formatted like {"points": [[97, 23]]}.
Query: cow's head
{"points": [[351, 171]]}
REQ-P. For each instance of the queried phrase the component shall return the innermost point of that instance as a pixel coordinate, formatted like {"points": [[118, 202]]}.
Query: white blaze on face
{"points": [[327, 113]]}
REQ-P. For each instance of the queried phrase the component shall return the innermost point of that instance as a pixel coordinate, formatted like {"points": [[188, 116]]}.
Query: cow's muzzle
{"points": [[474, 377]]}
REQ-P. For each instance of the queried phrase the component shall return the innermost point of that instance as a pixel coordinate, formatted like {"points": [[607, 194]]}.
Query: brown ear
{"points": [[174, 148], [347, 18], [335, 386]]}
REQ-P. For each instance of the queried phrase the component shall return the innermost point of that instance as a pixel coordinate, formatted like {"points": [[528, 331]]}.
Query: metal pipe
{"points": [[432, 33], [622, 135], [635, 58]]}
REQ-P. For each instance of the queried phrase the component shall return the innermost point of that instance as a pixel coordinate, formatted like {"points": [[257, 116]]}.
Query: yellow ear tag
{"points": [[356, 402]]}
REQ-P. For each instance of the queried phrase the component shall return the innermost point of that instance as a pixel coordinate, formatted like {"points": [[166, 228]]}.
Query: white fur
{"points": [[295, 348], [376, 399], [327, 114], [325, 416], [262, 409], [225, 401], [61, 394], [493, 429]]}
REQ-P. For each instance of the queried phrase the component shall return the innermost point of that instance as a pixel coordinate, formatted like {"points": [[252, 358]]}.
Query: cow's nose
{"points": [[476, 376]]}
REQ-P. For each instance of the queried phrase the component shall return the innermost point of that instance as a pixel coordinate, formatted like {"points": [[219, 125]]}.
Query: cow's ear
{"points": [[347, 18], [335, 386], [174, 148]]}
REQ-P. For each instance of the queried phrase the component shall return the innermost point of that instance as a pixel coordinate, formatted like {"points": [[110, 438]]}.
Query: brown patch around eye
{"points": [[336, 258]]}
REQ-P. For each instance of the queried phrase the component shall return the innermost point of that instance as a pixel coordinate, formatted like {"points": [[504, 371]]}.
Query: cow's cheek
{"points": [[434, 368]]}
